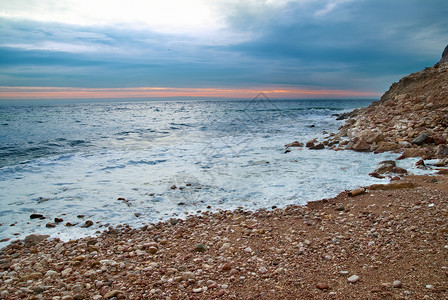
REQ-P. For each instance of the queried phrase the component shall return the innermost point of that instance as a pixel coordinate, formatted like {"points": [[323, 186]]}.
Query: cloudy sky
{"points": [[215, 48]]}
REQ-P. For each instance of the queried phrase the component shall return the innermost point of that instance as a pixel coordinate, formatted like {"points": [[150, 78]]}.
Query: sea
{"points": [[141, 162]]}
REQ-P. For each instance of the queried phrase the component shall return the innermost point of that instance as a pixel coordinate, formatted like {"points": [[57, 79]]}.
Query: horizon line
{"points": [[39, 93]]}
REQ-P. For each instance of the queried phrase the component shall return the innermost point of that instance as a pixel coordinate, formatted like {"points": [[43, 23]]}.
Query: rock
{"points": [[356, 192], [200, 248], [66, 272], [420, 139], [413, 152], [399, 170], [111, 294], [173, 187], [392, 186], [340, 208], [58, 220], [444, 58], [386, 166], [187, 275], [322, 286], [353, 279], [50, 225], [152, 250], [262, 270], [319, 146], [36, 216], [397, 284], [309, 144], [361, 145], [5, 264], [294, 144], [51, 273], [34, 239], [376, 175], [87, 224], [386, 146], [441, 151]]}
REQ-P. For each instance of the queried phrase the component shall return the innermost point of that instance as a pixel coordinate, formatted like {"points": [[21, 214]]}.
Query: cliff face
{"points": [[412, 117]]}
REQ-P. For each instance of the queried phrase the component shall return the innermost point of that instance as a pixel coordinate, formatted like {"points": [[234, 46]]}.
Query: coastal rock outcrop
{"points": [[411, 117]]}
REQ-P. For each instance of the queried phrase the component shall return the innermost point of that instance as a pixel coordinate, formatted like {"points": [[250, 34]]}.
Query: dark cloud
{"points": [[354, 45]]}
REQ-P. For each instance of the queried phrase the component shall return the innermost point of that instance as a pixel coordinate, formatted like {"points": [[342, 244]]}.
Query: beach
{"points": [[382, 244]]}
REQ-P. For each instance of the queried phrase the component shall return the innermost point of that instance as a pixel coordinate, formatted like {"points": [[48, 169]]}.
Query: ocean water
{"points": [[65, 160]]}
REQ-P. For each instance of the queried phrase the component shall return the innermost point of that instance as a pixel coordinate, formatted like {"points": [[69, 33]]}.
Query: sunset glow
{"points": [[161, 92]]}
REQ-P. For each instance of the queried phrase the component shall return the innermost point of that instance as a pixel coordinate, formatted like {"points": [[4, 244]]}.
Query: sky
{"points": [[215, 48]]}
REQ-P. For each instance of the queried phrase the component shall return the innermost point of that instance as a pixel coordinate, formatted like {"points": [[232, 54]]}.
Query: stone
{"points": [[322, 286], [420, 139], [87, 224], [36, 216], [412, 152], [386, 166], [397, 284], [200, 248], [309, 144], [399, 170], [34, 239], [58, 220], [384, 146], [294, 144], [361, 146], [187, 275], [66, 272], [356, 192], [353, 279], [441, 151], [152, 250], [319, 146], [111, 294], [51, 273], [50, 225]]}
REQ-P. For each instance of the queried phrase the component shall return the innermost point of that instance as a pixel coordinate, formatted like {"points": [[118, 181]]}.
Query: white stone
{"points": [[353, 279]]}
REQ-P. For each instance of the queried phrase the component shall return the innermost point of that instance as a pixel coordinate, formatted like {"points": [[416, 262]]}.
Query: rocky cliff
{"points": [[412, 117]]}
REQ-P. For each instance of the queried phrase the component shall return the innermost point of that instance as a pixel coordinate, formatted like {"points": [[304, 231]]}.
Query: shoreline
{"points": [[297, 252]]}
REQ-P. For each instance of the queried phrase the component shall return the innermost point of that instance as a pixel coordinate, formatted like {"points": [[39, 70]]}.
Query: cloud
{"points": [[329, 44]]}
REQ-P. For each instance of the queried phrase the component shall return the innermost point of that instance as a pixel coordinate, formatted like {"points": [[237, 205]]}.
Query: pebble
{"points": [[200, 248], [322, 286], [353, 279], [262, 270], [152, 250], [66, 272], [36, 216], [50, 225], [87, 224], [397, 284], [111, 294]]}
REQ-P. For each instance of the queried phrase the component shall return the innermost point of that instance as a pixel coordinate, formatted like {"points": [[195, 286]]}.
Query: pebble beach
{"points": [[388, 242]]}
